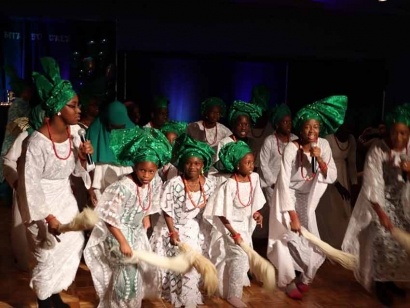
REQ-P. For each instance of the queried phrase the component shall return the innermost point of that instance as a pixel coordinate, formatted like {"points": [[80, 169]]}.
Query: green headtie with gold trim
{"points": [[231, 154], [239, 108], [400, 114], [54, 92]]}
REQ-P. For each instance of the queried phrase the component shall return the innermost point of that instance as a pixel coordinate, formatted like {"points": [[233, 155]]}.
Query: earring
{"points": [[59, 113], [202, 171]]}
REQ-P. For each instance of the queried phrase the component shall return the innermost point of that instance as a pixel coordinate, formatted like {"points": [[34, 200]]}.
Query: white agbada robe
{"points": [[333, 213], [287, 250], [230, 260], [118, 284], [365, 237], [270, 157], [182, 289], [212, 136], [44, 188]]}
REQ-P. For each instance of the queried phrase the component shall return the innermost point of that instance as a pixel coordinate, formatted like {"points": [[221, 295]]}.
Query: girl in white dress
{"points": [[383, 203], [233, 210], [45, 196], [123, 208], [209, 130], [183, 201], [297, 192]]}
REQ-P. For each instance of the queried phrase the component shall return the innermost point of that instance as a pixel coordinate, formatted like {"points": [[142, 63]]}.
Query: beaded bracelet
{"points": [[323, 166], [172, 233], [235, 237]]}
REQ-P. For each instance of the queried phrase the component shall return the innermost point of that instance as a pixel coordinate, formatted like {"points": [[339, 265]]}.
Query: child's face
{"points": [[171, 137], [246, 165], [213, 114], [145, 171], [193, 167], [242, 126]]}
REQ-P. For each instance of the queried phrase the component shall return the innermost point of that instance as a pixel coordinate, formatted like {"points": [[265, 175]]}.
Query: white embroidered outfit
{"points": [[287, 250], [193, 230], [197, 131], [118, 284], [230, 260]]}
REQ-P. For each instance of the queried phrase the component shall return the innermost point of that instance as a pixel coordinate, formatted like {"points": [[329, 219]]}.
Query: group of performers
{"points": [[203, 184]]}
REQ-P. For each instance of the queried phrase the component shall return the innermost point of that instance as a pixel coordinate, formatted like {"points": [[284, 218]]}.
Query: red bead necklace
{"points": [[54, 146], [250, 194], [216, 133], [277, 142], [189, 193], [149, 198]]}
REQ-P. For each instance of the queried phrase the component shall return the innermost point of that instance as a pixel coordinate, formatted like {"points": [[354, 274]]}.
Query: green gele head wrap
{"points": [[213, 101], [400, 114], [186, 147], [117, 114], [54, 92], [160, 101], [17, 84], [330, 112], [260, 96], [131, 146], [35, 119], [278, 113], [238, 108], [231, 154], [176, 127]]}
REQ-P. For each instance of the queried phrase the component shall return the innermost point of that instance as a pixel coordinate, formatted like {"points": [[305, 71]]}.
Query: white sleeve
{"points": [[266, 171], [11, 158], [284, 199], [326, 153]]}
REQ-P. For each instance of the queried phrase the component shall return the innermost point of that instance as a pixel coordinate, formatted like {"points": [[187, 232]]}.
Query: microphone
{"points": [[313, 161], [404, 158], [81, 133]]}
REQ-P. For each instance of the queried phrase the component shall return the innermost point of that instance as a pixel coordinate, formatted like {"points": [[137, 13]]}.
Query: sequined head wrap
{"points": [[260, 96], [160, 101], [17, 84], [186, 147], [35, 119], [400, 114], [131, 146], [213, 101], [54, 92], [231, 154], [176, 127], [330, 112], [278, 113], [241, 108]]}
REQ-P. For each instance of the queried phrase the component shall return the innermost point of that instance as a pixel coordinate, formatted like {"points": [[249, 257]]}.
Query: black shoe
{"points": [[382, 295], [46, 303], [58, 302], [391, 286]]}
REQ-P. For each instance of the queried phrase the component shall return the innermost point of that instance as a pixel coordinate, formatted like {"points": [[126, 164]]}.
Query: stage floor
{"points": [[333, 286]]}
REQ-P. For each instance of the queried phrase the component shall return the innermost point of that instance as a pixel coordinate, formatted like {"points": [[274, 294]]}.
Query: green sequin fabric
{"points": [[54, 92], [260, 96], [213, 101], [330, 112], [238, 108], [400, 114], [231, 154], [160, 101], [35, 119], [131, 146], [278, 113], [186, 147], [176, 127]]}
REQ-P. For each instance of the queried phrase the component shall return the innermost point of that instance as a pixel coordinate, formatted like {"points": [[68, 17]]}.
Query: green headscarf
{"points": [[176, 127], [35, 119], [100, 135], [330, 112], [231, 154], [278, 113], [160, 101], [400, 114], [241, 108], [260, 96], [213, 101], [131, 146], [186, 147], [17, 84], [54, 92]]}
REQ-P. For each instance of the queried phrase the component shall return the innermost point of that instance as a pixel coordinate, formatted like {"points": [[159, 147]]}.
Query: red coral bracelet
{"points": [[172, 233], [235, 237], [50, 219]]}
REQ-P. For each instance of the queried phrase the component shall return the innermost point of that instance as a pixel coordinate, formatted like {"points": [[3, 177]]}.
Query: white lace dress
{"points": [[230, 259], [118, 284], [193, 230], [212, 136], [287, 250], [44, 188], [381, 258]]}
